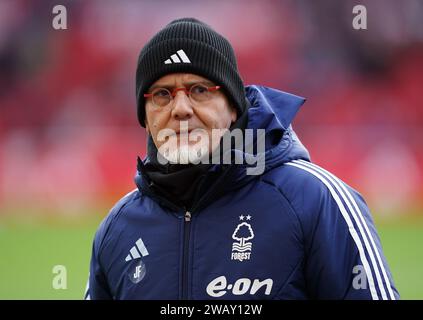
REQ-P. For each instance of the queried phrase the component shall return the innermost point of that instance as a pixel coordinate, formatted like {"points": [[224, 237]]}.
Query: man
{"points": [[197, 228]]}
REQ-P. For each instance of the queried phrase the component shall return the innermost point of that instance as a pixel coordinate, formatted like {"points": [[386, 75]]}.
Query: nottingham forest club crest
{"points": [[241, 248]]}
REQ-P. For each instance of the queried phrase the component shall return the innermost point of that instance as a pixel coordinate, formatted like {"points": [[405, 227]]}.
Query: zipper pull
{"points": [[187, 216]]}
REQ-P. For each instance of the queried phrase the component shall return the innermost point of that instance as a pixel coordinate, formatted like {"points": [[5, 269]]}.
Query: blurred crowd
{"points": [[68, 129]]}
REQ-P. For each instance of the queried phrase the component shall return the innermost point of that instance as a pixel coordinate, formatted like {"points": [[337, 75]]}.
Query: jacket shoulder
{"points": [[297, 183], [339, 233], [311, 190], [112, 216]]}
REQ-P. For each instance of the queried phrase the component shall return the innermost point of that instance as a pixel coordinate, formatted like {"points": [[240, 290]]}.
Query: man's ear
{"points": [[233, 114]]}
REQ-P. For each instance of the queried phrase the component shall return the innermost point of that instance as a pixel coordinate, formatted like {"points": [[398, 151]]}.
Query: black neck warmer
{"points": [[183, 184]]}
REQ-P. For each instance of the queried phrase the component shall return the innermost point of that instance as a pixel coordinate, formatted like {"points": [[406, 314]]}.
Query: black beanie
{"points": [[188, 45]]}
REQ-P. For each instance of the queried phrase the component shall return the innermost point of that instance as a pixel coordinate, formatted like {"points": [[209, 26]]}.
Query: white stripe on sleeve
{"points": [[360, 222], [350, 225]]}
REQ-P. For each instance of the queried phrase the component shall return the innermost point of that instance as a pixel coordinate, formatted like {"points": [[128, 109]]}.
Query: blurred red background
{"points": [[68, 130]]}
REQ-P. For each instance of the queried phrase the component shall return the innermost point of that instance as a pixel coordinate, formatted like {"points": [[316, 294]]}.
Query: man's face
{"points": [[193, 122]]}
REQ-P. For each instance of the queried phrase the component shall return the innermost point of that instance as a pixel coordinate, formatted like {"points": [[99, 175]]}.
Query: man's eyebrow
{"points": [[186, 84]]}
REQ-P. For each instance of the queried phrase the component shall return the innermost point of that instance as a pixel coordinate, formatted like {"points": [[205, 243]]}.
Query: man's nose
{"points": [[182, 107]]}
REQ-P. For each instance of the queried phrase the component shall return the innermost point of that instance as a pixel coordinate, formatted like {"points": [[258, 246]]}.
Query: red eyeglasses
{"points": [[199, 92]]}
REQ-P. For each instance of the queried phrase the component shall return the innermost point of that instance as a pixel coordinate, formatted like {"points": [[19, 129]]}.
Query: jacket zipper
{"points": [[187, 229]]}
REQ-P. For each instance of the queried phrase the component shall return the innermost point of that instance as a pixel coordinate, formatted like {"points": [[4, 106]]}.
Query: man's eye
{"points": [[199, 89], [161, 93]]}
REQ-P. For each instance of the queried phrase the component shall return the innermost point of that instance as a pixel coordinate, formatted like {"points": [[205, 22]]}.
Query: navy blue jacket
{"points": [[293, 232]]}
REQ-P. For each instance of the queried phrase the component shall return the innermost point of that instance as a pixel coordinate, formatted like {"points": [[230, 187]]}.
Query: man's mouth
{"points": [[178, 132]]}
